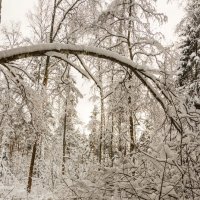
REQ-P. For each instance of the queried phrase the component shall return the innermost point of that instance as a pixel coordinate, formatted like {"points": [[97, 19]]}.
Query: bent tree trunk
{"points": [[143, 73]]}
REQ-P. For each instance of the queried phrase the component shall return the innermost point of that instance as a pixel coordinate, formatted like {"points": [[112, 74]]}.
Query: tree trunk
{"points": [[102, 125], [131, 129], [46, 73], [64, 144], [119, 124], [131, 125], [112, 128], [111, 140], [32, 167]]}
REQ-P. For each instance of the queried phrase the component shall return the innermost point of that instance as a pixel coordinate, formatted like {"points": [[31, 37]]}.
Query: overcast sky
{"points": [[16, 10]]}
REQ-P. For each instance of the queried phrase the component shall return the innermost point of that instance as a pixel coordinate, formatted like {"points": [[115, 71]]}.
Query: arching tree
{"points": [[170, 104], [130, 67]]}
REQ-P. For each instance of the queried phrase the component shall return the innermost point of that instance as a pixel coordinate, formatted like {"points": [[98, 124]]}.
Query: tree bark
{"points": [[64, 144], [102, 145], [31, 167], [102, 136], [46, 72], [112, 127], [111, 140], [131, 125]]}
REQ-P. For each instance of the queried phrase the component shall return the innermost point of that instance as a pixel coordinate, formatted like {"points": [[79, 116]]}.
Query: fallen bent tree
{"points": [[57, 50]]}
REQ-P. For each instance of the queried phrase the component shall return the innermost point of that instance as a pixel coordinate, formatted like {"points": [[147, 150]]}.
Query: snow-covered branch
{"points": [[142, 72], [42, 49]]}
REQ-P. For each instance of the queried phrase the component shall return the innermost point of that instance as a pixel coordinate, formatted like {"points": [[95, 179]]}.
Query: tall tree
{"points": [[48, 25], [126, 28]]}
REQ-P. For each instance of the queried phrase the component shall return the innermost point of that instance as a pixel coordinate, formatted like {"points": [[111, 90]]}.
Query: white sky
{"points": [[174, 12], [16, 10]]}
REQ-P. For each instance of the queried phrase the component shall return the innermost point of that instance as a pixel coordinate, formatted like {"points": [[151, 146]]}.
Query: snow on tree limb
{"points": [[142, 72], [42, 49]]}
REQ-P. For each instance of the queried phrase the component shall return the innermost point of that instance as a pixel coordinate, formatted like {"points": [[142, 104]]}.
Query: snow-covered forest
{"points": [[142, 141]]}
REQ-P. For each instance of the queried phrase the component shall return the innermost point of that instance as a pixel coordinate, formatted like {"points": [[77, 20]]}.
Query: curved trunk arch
{"points": [[58, 50]]}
